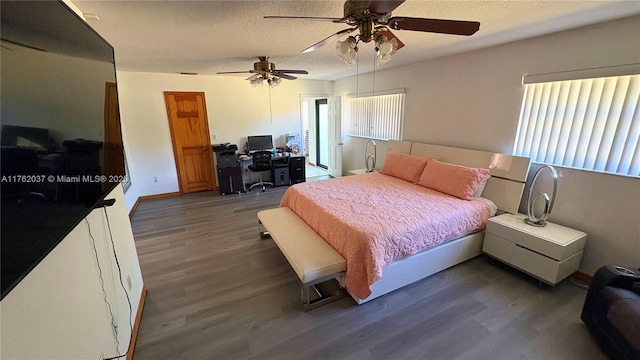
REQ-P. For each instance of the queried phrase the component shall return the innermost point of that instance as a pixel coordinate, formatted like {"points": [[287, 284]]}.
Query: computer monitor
{"points": [[260, 142], [28, 137]]}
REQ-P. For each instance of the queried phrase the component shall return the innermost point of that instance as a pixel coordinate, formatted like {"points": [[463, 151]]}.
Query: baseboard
{"points": [[160, 196], [136, 324], [150, 197], [133, 209], [582, 277]]}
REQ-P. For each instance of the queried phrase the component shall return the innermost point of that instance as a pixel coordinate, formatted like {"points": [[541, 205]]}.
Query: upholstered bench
{"points": [[313, 259]]}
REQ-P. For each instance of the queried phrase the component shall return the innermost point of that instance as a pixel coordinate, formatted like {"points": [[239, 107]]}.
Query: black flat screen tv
{"points": [[61, 149]]}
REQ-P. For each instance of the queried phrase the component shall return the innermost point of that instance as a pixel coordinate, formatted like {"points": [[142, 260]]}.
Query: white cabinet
{"points": [[549, 253]]}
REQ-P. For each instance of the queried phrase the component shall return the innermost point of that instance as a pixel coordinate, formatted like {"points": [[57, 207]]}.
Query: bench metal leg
{"points": [[322, 295], [264, 234]]}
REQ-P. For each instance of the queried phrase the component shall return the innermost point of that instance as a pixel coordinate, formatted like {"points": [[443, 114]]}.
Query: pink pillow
{"points": [[455, 180], [404, 166]]}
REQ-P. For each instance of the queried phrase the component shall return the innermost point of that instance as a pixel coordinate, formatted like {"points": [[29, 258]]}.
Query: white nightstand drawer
{"points": [[555, 241], [529, 261]]}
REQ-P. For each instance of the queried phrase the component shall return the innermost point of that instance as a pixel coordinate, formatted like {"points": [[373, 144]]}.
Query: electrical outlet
{"points": [[129, 282], [155, 179], [214, 136]]}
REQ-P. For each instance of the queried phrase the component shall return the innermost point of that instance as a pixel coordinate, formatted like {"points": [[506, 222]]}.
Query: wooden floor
{"points": [[218, 291]]}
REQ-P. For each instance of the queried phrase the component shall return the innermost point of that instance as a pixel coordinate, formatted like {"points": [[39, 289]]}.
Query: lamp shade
{"points": [[347, 50], [274, 81], [385, 49], [257, 81]]}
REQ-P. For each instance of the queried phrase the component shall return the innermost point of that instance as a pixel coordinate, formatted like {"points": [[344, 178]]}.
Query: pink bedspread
{"points": [[374, 219]]}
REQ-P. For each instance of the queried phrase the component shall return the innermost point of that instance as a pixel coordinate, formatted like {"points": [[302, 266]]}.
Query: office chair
{"points": [[261, 162]]}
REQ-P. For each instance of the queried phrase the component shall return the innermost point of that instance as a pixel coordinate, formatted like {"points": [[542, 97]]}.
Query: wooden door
{"points": [[113, 147], [192, 150]]}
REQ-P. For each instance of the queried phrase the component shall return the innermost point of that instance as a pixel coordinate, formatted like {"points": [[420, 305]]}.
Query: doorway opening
{"points": [[322, 133], [314, 135]]}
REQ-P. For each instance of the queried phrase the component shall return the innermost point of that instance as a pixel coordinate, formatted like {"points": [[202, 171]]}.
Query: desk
{"points": [[278, 166], [279, 160], [245, 161]]}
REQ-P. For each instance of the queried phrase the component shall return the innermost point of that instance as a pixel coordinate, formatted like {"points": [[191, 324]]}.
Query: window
{"points": [[591, 124], [376, 117]]}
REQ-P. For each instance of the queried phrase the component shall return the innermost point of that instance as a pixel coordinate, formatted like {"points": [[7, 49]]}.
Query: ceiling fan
{"points": [[373, 20], [265, 70]]}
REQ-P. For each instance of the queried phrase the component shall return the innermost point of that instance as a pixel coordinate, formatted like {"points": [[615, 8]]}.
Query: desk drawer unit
{"points": [[297, 169], [549, 253]]}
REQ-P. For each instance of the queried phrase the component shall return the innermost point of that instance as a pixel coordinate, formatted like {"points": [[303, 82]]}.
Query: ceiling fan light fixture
{"points": [[266, 70], [347, 49], [274, 81], [385, 49], [256, 82]]}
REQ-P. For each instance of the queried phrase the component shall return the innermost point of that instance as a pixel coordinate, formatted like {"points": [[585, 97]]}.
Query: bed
{"points": [[396, 227]]}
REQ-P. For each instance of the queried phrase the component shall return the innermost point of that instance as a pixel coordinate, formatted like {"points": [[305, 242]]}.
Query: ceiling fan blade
{"points": [[316, 18], [292, 71], [383, 6], [454, 27], [386, 32], [284, 76], [234, 72], [324, 41]]}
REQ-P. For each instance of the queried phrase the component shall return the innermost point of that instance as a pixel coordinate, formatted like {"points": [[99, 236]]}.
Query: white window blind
{"points": [[376, 117], [591, 124]]}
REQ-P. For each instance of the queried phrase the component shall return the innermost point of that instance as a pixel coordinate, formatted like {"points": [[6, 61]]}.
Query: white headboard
{"points": [[508, 172]]}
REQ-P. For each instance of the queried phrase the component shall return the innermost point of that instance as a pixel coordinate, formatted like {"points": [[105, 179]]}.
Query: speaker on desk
{"points": [[297, 169]]}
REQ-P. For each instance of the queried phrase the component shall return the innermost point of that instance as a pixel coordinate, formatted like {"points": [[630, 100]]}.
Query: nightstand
{"points": [[549, 253], [359, 171]]}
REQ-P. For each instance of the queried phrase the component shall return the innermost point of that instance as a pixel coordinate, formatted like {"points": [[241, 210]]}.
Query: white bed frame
{"points": [[504, 188]]}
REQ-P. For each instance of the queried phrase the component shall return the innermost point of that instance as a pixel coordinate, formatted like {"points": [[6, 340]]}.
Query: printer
{"points": [[226, 155], [229, 170]]}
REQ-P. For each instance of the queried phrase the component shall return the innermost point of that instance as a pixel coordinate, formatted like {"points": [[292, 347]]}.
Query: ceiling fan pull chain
{"points": [[373, 85], [270, 106], [357, 75]]}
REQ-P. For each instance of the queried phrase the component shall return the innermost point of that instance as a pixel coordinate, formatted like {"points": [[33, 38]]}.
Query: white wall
{"points": [[58, 311], [472, 100], [235, 110]]}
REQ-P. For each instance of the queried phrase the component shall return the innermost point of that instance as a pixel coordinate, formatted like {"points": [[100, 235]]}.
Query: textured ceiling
{"points": [[205, 37]]}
